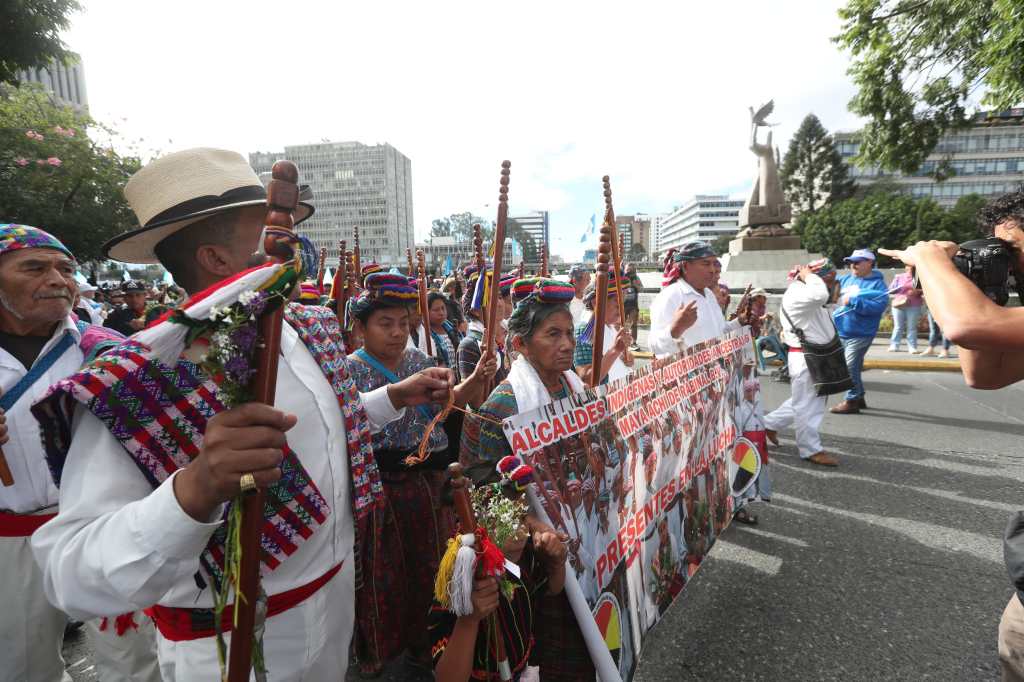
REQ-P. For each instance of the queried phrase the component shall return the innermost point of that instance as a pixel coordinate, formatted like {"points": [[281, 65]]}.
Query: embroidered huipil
{"points": [[120, 545], [402, 434]]}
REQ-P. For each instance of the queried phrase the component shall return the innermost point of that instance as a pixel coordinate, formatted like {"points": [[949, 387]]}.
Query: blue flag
{"points": [[593, 223], [448, 265]]}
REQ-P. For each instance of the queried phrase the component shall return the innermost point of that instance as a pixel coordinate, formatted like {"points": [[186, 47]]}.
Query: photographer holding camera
{"points": [[966, 287]]}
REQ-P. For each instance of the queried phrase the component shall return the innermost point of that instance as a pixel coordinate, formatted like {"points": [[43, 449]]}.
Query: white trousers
{"points": [[309, 642], [130, 657], [31, 630], [803, 410]]}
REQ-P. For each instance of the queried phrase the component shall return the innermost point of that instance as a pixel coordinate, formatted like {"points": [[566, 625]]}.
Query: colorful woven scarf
{"points": [[159, 413]]}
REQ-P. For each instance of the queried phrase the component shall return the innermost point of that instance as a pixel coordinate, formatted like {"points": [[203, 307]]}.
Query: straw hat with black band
{"points": [[185, 187]]}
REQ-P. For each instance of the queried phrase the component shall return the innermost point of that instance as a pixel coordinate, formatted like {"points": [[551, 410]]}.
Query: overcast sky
{"points": [[655, 95]]}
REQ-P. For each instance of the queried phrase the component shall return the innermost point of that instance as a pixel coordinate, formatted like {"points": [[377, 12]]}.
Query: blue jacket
{"points": [[869, 297]]}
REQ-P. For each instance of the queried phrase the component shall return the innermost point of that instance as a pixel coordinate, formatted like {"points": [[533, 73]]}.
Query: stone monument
{"points": [[765, 249]]}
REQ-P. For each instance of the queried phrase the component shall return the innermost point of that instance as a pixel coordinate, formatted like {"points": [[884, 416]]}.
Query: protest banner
{"points": [[644, 474]]}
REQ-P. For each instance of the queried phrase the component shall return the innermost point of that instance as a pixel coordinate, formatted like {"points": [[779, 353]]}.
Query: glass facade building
{"points": [[985, 159], [354, 184], [706, 217]]}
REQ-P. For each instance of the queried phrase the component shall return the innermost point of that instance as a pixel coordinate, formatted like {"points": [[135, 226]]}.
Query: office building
{"points": [[354, 184], [635, 229], [986, 159], [706, 216], [66, 82], [535, 223]]}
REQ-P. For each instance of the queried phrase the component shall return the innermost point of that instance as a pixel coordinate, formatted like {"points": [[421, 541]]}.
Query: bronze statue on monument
{"points": [[766, 209]]}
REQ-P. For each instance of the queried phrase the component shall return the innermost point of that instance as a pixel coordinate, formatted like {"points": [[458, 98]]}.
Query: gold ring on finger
{"points": [[247, 483]]}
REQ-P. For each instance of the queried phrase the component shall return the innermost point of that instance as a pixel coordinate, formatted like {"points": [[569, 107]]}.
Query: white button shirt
{"points": [[33, 487], [710, 321], [805, 302], [118, 545]]}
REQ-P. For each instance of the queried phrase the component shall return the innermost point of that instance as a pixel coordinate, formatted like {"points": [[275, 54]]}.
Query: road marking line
{"points": [[763, 563], [944, 494], [928, 534], [771, 536]]}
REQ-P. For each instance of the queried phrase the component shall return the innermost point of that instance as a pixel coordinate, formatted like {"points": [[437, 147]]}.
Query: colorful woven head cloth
{"points": [[308, 293], [541, 290], [505, 285], [821, 267], [14, 237], [371, 268]]}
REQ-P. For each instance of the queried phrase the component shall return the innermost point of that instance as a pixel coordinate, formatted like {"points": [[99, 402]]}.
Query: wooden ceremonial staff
{"points": [[424, 308], [353, 272], [282, 197], [408, 257], [544, 259], [340, 282], [618, 241], [321, 269], [491, 326], [357, 266], [467, 520], [600, 304], [6, 477]]}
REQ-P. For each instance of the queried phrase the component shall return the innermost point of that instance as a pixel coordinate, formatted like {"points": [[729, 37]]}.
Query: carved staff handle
{"points": [[600, 304], [491, 326], [617, 241]]}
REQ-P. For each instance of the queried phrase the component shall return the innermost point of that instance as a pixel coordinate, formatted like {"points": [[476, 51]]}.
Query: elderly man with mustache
{"points": [[40, 343]]}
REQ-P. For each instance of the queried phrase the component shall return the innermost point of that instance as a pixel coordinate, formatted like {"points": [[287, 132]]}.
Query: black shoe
{"points": [[861, 403]]}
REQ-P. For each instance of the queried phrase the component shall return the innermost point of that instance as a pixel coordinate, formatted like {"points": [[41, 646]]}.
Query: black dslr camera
{"points": [[989, 264]]}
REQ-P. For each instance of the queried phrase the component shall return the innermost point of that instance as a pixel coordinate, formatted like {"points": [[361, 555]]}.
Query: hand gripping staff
{"points": [[467, 523], [601, 302], [282, 197]]}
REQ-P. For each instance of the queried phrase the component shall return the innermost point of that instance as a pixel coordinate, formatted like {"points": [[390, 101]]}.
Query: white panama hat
{"points": [[185, 187]]}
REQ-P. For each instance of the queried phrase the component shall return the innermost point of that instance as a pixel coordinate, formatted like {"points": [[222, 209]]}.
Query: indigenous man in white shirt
{"points": [[805, 306], [579, 278], [40, 343], [155, 455], [686, 310]]}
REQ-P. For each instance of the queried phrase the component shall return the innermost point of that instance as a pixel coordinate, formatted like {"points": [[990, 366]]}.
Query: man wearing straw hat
{"points": [[144, 483]]}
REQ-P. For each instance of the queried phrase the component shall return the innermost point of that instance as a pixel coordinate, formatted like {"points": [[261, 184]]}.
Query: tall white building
{"points": [[987, 159], [706, 216], [354, 184], [66, 82]]}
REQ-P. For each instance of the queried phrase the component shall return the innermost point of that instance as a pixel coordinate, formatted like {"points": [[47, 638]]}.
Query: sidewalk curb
{"points": [[913, 365]]}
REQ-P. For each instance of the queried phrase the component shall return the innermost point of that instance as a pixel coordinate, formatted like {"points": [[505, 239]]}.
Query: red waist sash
{"points": [[21, 525], [182, 625], [795, 349]]}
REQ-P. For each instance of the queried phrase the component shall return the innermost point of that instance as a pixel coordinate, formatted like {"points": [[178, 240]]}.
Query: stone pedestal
{"points": [[755, 216], [763, 261]]}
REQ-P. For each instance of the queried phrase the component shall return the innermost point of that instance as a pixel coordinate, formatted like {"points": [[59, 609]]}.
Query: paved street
{"points": [[888, 568]]}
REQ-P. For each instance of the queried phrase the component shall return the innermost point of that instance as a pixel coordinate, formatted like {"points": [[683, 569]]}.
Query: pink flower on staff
{"points": [[53, 161], [21, 161]]}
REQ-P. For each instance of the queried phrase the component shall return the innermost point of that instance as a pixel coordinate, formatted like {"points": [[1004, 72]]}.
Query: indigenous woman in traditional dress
{"points": [[469, 348], [407, 536], [541, 333], [443, 333], [618, 361]]}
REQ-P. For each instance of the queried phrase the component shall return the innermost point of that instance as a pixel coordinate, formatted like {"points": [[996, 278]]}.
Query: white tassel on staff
{"points": [[461, 587]]}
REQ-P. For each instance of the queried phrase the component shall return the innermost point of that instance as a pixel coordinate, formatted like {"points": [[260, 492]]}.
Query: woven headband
{"points": [[14, 237]]}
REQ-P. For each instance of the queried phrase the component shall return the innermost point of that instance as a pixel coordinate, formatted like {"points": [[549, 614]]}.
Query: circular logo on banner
{"points": [[609, 623], [744, 465]]}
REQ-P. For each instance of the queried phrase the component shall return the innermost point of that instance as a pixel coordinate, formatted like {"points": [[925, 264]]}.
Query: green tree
{"points": [[55, 175], [721, 244], [31, 34], [918, 63], [813, 172], [879, 219], [460, 226], [637, 252]]}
